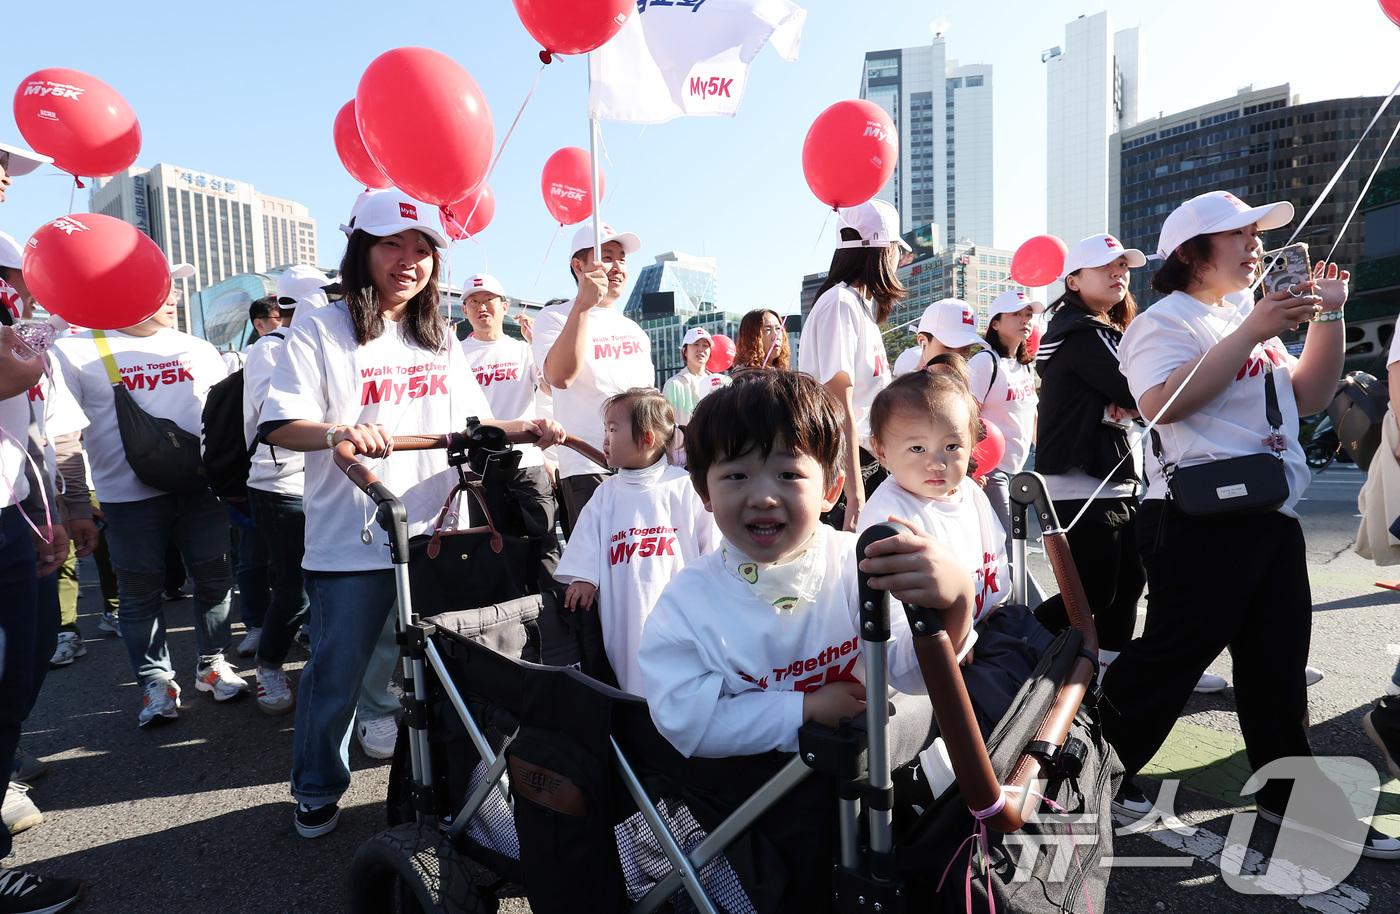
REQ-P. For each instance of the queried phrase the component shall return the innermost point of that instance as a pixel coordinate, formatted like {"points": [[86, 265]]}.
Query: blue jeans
{"points": [[350, 613], [137, 534], [250, 568], [281, 522], [18, 612]]}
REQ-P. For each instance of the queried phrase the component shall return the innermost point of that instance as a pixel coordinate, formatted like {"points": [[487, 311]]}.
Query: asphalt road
{"points": [[196, 816]]}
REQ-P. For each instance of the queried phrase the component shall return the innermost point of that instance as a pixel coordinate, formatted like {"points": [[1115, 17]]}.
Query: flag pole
{"points": [[593, 171]]}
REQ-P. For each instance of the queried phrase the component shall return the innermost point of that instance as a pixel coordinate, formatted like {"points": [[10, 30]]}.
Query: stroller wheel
{"points": [[410, 869]]}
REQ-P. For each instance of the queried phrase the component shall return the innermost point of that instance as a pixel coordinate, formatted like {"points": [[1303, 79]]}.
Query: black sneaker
{"points": [[1130, 801], [315, 821], [25, 893], [1382, 724], [1378, 845]]}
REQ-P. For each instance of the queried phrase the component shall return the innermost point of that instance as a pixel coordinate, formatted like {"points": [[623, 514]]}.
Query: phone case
{"points": [[1286, 267]]}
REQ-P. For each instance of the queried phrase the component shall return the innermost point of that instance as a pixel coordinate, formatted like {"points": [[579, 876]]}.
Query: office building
{"points": [[943, 113], [1092, 92], [669, 297], [1261, 145], [289, 233], [210, 222], [1375, 283]]}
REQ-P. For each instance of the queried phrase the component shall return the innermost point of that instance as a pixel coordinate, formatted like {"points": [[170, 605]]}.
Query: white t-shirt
{"points": [[841, 335], [169, 374], [684, 391], [505, 370], [965, 523], [617, 356], [1008, 402], [637, 531], [1178, 329], [726, 672], [322, 375], [14, 421], [55, 411], [907, 361], [279, 470]]}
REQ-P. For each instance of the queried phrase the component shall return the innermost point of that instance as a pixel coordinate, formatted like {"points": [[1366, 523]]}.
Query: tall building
{"points": [[210, 222], [1375, 284], [289, 233], [943, 113], [1092, 93], [1261, 145], [669, 297]]}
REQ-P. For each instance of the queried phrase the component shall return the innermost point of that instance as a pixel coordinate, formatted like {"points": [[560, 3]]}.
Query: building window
{"points": [[201, 238], [955, 82], [173, 207], [973, 82]]}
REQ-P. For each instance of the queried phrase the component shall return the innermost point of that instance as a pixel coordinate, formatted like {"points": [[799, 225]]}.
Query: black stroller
{"points": [[516, 759]]}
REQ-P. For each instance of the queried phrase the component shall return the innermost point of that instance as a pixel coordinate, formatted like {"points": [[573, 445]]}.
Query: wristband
{"points": [[1328, 316], [330, 435]]}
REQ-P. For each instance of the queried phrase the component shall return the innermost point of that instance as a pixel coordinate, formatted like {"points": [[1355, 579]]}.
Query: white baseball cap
{"points": [[583, 238], [390, 211], [349, 227], [876, 221], [952, 322], [1098, 250], [181, 270], [301, 284], [482, 282], [20, 161], [695, 335], [11, 254], [1013, 300], [1217, 211]]}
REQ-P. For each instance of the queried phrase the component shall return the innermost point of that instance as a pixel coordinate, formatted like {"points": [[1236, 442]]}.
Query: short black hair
{"points": [[1184, 265], [761, 409], [264, 307]]}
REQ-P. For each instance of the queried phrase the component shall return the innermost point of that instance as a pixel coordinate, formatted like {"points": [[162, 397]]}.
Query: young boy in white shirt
{"points": [[748, 643]]}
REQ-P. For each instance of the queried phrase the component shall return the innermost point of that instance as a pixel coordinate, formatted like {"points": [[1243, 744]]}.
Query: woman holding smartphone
{"points": [[1236, 580]]}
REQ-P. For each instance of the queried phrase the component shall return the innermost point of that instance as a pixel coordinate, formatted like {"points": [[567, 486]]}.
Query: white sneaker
{"points": [[1391, 688], [109, 624], [1209, 682], [18, 811], [70, 648], [218, 677], [1312, 675], [378, 736], [274, 691], [249, 645], [162, 702]]}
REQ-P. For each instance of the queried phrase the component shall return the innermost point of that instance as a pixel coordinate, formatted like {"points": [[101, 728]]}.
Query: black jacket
{"points": [[1078, 367]]}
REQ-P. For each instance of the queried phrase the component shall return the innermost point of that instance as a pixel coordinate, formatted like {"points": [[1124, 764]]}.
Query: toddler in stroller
{"points": [[584, 759]]}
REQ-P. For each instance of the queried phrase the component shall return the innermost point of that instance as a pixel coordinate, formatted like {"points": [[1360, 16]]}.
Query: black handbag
{"points": [[1237, 487], [1357, 413], [162, 454], [465, 569]]}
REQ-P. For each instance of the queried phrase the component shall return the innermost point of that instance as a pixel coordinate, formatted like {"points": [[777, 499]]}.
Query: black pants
{"points": [[1105, 548], [871, 474], [1240, 583], [533, 486], [577, 490]]}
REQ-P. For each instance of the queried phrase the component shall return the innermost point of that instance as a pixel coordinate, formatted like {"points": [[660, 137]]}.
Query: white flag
{"points": [[679, 57]]}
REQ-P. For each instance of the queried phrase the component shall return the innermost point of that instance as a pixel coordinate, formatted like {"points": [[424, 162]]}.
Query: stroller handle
{"points": [[347, 458]]}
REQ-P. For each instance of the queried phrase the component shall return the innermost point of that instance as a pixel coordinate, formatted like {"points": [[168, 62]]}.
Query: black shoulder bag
{"points": [[1237, 487]]}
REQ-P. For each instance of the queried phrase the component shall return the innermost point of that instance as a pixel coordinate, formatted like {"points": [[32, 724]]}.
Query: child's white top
{"points": [[1008, 401], [964, 523], [505, 370], [635, 534], [726, 671]]}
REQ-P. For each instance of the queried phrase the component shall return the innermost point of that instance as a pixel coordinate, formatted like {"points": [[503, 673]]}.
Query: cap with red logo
{"points": [[583, 238], [952, 322], [1217, 211], [695, 335], [1011, 301], [1098, 251], [482, 282], [388, 212]]}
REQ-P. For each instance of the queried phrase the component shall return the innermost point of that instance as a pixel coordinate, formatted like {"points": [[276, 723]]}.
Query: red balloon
{"points": [[850, 152], [721, 353], [565, 185], [989, 450], [1392, 10], [477, 210], [573, 26], [1039, 260], [83, 123], [352, 152], [1033, 344], [96, 271], [425, 123]]}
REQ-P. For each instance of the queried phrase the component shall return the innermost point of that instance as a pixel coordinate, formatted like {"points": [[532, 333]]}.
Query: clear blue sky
{"points": [[249, 90]]}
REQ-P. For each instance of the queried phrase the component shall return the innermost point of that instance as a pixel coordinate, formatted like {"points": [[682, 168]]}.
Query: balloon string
{"points": [[1362, 196], [506, 139], [825, 222], [557, 233], [72, 194], [612, 191]]}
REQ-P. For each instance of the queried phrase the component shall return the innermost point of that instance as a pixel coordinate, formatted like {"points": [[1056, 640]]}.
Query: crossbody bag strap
{"points": [[1272, 414], [103, 349]]}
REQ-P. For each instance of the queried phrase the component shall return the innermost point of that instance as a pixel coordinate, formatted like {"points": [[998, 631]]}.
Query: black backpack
{"points": [[227, 459]]}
